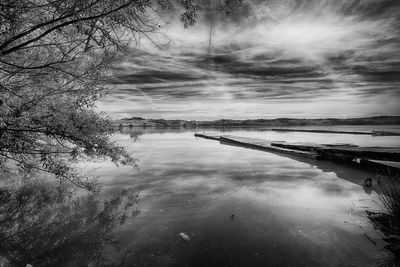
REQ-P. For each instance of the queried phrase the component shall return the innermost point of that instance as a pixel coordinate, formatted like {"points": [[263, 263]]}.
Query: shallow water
{"points": [[286, 211]]}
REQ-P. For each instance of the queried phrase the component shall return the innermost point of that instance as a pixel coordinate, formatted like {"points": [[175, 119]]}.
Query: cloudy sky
{"points": [[269, 59]]}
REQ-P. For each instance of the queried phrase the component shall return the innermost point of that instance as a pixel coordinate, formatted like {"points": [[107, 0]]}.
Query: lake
{"points": [[242, 207]]}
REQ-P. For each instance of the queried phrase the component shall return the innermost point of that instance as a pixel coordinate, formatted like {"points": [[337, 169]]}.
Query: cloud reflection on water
{"points": [[286, 211]]}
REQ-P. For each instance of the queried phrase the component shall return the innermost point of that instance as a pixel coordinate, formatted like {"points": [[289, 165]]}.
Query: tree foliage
{"points": [[54, 57]]}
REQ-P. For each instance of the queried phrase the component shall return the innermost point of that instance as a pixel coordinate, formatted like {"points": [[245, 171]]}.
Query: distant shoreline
{"points": [[228, 123]]}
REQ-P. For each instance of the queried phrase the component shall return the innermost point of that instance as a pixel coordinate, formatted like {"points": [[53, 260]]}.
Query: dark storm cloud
{"points": [[370, 9], [156, 76], [391, 90], [295, 53], [255, 67]]}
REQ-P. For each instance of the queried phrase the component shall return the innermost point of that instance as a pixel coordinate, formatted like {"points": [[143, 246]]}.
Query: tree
{"points": [[54, 55]]}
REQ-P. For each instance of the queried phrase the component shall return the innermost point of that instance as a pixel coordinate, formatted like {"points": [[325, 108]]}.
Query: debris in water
{"points": [[233, 216], [184, 236], [368, 182]]}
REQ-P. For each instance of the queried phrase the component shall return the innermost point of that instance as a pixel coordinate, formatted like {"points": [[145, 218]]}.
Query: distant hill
{"points": [[142, 122]]}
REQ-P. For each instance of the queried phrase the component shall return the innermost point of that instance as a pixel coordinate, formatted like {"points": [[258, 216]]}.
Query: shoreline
{"points": [[134, 122]]}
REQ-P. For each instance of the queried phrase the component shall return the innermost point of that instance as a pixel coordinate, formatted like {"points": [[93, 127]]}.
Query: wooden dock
{"points": [[265, 145], [378, 158], [344, 152], [373, 133], [208, 136]]}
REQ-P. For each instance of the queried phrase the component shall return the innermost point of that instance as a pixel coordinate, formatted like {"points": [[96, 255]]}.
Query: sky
{"points": [[269, 59]]}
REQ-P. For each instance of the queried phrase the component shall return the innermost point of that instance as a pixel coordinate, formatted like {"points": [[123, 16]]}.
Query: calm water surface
{"points": [[286, 211]]}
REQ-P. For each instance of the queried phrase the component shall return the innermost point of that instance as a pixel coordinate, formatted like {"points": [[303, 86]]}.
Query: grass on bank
{"points": [[388, 221]]}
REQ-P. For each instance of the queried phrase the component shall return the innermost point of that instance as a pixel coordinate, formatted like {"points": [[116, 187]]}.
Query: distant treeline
{"points": [[142, 122]]}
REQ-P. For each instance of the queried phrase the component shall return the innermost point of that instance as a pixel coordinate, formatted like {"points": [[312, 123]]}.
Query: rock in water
{"points": [[184, 236]]}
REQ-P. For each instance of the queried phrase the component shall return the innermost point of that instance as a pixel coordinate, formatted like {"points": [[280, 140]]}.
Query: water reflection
{"points": [[287, 212], [46, 225], [267, 133], [344, 170]]}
